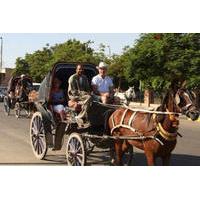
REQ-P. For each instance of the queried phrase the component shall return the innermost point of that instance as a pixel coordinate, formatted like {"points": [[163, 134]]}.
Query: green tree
{"points": [[157, 59], [22, 67], [38, 62], [41, 61]]}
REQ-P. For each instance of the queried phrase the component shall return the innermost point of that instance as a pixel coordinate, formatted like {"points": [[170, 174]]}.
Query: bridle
{"points": [[177, 101]]}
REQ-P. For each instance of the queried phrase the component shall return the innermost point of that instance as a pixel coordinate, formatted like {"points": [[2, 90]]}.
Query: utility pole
{"points": [[1, 63], [109, 50]]}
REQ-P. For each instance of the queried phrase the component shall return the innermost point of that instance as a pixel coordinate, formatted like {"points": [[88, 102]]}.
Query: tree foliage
{"points": [[154, 60], [157, 59]]}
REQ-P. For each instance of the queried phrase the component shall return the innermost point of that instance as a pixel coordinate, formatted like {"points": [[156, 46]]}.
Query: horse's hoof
{"points": [[112, 162]]}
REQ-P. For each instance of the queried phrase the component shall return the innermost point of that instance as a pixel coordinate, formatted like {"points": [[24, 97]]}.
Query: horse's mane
{"points": [[164, 105], [165, 100]]}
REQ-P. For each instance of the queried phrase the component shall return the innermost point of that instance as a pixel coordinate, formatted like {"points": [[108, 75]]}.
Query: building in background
{"points": [[5, 75]]}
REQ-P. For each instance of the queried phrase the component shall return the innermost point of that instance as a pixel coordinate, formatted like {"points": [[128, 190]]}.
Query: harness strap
{"points": [[113, 122], [160, 130], [122, 126], [187, 106], [137, 110], [123, 116], [166, 135], [149, 111], [132, 118]]}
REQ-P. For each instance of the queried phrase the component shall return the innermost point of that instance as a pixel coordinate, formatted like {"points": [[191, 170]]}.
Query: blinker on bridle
{"points": [[177, 100]]}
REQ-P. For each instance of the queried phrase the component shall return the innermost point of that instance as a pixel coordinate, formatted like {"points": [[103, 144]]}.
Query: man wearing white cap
{"points": [[102, 84]]}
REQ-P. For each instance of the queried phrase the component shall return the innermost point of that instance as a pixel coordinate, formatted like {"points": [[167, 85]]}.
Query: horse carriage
{"points": [[116, 127], [47, 131], [17, 96]]}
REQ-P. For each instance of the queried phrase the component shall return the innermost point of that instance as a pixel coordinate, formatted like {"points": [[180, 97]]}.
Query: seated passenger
{"points": [[57, 99], [79, 91], [102, 85]]}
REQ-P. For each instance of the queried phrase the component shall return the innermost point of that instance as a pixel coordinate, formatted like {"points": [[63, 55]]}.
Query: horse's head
{"points": [[185, 102], [130, 93]]}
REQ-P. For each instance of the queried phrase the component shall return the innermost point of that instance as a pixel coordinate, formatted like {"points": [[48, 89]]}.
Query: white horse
{"points": [[127, 96]]}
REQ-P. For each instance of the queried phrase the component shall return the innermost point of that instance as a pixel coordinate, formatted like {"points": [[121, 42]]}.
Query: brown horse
{"points": [[158, 130]]}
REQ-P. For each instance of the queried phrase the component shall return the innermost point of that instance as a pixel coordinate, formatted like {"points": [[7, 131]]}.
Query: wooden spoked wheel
{"points": [[75, 150], [37, 136]]}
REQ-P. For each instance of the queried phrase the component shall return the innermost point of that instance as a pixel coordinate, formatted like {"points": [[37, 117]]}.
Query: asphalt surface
{"points": [[15, 146]]}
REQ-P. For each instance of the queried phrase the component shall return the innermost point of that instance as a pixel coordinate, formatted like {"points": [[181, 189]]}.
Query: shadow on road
{"points": [[59, 159], [140, 160], [176, 160], [104, 160], [185, 160]]}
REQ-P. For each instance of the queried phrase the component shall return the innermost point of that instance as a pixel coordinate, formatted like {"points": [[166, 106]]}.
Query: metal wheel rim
{"points": [[75, 152], [38, 138]]}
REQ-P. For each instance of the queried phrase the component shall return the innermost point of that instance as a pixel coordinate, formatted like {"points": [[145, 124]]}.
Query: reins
{"points": [[149, 111], [139, 110]]}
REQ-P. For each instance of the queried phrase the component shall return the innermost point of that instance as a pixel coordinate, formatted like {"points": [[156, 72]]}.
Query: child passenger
{"points": [[57, 99]]}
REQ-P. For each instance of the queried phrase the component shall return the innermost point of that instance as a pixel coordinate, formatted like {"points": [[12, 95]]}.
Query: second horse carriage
{"points": [[47, 131], [17, 97]]}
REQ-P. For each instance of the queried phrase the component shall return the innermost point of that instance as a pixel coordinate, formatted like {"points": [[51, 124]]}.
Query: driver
{"points": [[79, 93], [102, 85]]}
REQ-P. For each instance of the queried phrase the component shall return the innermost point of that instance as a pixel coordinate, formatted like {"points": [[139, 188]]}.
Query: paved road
{"points": [[15, 146]]}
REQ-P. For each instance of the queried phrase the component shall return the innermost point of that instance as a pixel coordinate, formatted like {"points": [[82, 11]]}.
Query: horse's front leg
{"points": [[150, 158], [118, 152]]}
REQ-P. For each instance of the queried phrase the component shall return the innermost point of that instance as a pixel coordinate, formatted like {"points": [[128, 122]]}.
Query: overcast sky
{"points": [[18, 44]]}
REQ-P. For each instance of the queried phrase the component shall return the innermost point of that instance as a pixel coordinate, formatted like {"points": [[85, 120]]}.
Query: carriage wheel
{"points": [[75, 150], [37, 136], [6, 106], [17, 110]]}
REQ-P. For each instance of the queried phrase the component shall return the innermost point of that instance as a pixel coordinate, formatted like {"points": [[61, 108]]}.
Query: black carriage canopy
{"points": [[14, 80], [63, 71], [97, 113]]}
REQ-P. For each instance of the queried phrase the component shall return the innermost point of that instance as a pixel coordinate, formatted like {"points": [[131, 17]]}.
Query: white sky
{"points": [[18, 44]]}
